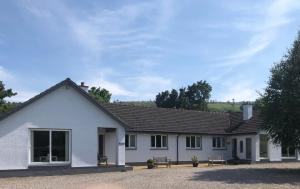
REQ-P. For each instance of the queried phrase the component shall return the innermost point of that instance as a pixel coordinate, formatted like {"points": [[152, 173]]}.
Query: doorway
{"points": [[101, 145], [234, 148], [248, 148]]}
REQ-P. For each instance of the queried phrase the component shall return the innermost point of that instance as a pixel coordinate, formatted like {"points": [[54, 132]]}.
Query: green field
{"points": [[212, 106], [224, 107]]}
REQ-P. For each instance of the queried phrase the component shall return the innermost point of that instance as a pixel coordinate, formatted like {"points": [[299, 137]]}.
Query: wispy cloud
{"points": [[129, 31], [264, 28]]}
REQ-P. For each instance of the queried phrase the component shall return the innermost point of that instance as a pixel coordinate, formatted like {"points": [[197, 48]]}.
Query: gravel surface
{"points": [[279, 175]]}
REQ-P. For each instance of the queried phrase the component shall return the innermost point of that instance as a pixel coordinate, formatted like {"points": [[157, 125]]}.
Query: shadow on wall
{"points": [[250, 176]]}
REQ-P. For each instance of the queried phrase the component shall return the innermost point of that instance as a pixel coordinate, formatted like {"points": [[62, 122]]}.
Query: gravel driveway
{"points": [[280, 175]]}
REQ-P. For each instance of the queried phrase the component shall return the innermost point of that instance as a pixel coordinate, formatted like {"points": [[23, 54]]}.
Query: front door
{"points": [[101, 145], [234, 148], [248, 148]]}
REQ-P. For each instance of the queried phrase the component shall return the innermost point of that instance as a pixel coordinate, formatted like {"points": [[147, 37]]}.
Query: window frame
{"points": [[161, 142], [221, 140], [50, 163], [129, 147], [189, 137]]}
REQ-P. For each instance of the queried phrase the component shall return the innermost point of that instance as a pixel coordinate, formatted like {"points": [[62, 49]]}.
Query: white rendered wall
{"points": [[144, 151], [64, 108]]}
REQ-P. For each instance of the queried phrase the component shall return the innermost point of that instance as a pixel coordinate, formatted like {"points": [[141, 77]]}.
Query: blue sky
{"points": [[136, 49]]}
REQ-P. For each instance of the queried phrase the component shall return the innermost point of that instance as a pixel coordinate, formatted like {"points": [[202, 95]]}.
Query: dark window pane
{"points": [[126, 141], [188, 142], [132, 141], [292, 152], [40, 151], [152, 141], [214, 142], [60, 146], [241, 147], [198, 142], [158, 141], [193, 141], [164, 141], [218, 142]]}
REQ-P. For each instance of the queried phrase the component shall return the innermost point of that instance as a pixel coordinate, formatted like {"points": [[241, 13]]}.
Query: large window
{"points": [[288, 151], [193, 142], [50, 146], [219, 143], [159, 141], [263, 146], [130, 141]]}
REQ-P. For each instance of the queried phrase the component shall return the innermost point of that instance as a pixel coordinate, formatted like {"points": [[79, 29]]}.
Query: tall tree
{"points": [[281, 99], [101, 95], [198, 95], [4, 93], [194, 97]]}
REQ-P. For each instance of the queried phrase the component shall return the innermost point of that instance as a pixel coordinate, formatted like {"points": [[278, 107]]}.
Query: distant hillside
{"points": [[212, 106]]}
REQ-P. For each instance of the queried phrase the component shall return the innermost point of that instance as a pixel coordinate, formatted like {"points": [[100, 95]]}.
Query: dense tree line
{"points": [[192, 97]]}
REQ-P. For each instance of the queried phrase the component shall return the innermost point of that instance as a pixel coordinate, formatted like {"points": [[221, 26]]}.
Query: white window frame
{"points": [[190, 141], [50, 163], [222, 145], [155, 136], [129, 143]]}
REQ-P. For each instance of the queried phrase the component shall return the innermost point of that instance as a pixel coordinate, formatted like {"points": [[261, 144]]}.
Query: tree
{"points": [[198, 95], [280, 101], [101, 95], [194, 97], [4, 93]]}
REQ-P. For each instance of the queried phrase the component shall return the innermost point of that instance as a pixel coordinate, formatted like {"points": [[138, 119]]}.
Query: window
{"points": [[241, 146], [50, 146], [288, 151], [193, 142], [159, 141], [130, 141], [263, 146], [219, 143]]}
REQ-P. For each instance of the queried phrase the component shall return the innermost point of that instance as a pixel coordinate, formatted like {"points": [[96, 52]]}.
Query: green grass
{"points": [[212, 106], [224, 107]]}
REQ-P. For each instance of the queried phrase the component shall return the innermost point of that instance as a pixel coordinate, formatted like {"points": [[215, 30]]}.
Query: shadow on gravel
{"points": [[250, 176]]}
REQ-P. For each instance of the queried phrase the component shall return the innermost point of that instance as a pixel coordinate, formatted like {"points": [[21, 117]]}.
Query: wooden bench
{"points": [[216, 159], [161, 161]]}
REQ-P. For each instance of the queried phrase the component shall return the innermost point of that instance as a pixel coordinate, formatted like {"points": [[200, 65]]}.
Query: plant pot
{"points": [[195, 164], [150, 166]]}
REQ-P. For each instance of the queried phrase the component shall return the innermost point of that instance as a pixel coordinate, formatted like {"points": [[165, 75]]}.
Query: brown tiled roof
{"points": [[238, 126], [150, 119]]}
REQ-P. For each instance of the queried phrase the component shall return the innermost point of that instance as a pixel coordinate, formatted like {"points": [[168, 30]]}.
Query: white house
{"points": [[64, 126]]}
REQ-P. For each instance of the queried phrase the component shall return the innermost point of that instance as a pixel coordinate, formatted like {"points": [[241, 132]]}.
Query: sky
{"points": [[136, 49]]}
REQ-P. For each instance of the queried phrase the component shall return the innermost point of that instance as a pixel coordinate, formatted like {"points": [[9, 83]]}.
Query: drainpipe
{"points": [[177, 152]]}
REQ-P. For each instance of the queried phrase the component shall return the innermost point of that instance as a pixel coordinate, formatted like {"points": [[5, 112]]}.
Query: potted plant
{"points": [[150, 163], [195, 161]]}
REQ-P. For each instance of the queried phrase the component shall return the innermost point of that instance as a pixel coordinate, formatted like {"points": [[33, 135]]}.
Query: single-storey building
{"points": [[65, 126]]}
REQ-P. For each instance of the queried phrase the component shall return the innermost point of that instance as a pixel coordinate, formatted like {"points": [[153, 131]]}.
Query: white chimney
{"points": [[84, 87], [247, 111]]}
